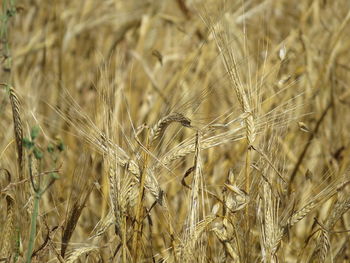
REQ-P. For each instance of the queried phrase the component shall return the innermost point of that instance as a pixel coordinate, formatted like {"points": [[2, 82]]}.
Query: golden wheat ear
{"points": [[18, 128], [82, 187], [8, 230], [158, 130]]}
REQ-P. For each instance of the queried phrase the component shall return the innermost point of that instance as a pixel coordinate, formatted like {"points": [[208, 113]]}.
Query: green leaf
{"points": [[50, 148], [61, 146], [27, 143], [54, 175], [37, 153], [34, 132]]}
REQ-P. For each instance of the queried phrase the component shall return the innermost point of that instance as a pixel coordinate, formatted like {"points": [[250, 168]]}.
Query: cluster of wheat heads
{"points": [[174, 131]]}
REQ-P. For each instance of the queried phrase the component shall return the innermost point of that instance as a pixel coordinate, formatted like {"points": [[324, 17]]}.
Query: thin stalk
{"points": [[32, 235], [307, 145], [247, 189], [139, 208], [247, 169], [124, 239]]}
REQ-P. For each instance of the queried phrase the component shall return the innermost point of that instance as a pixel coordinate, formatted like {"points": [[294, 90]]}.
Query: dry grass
{"points": [[174, 131]]}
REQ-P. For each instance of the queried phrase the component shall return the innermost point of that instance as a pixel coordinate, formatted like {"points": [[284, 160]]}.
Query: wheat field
{"points": [[175, 131]]}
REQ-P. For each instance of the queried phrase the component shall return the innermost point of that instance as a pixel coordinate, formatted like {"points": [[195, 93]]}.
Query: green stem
{"points": [[33, 226]]}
